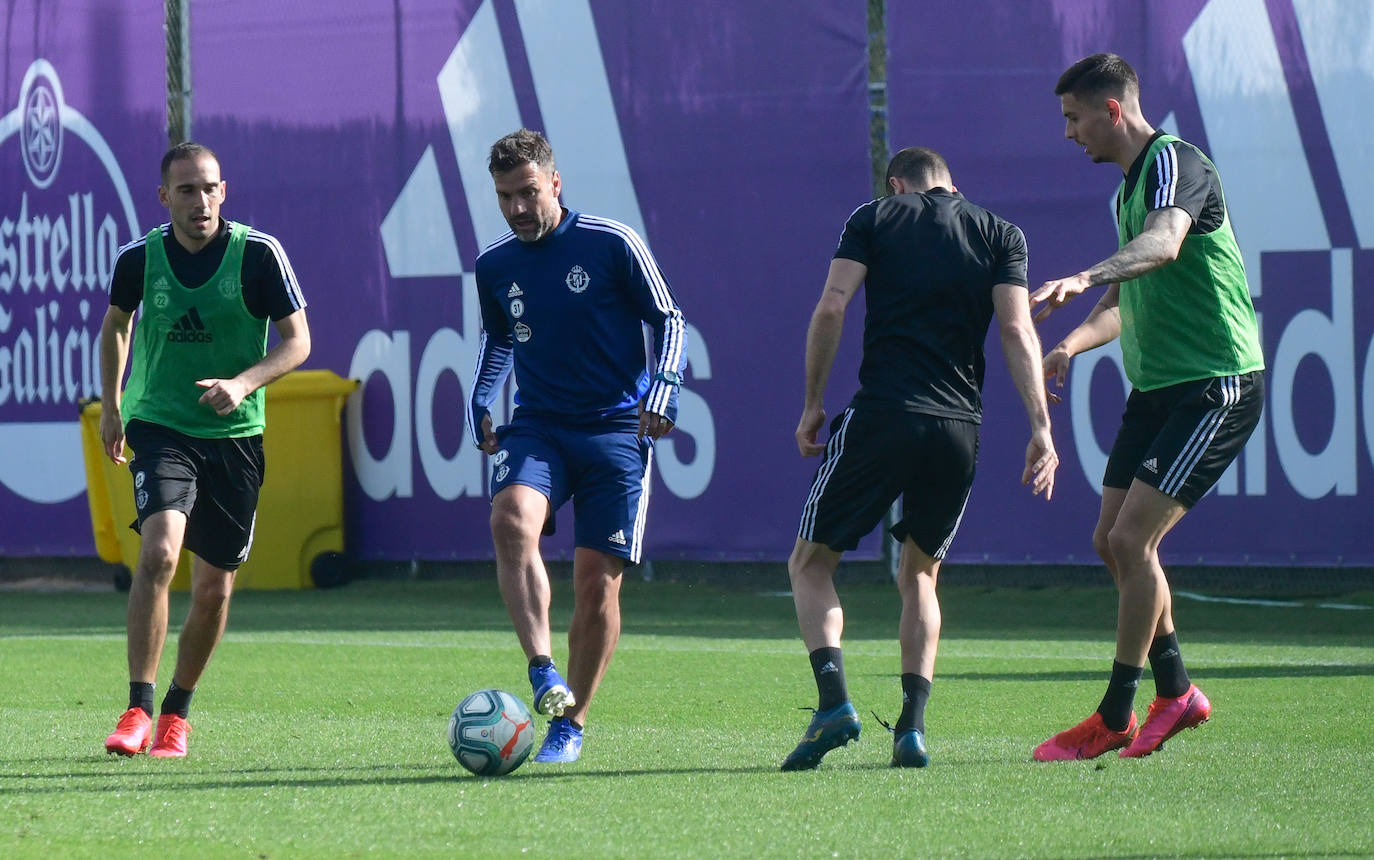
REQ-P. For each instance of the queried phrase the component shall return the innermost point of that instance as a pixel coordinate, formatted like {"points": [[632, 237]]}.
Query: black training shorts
{"points": [[875, 456], [215, 482], [1181, 438]]}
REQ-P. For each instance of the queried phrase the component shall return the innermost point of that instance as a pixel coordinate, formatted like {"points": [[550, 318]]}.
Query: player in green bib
{"points": [[1177, 297], [193, 415]]}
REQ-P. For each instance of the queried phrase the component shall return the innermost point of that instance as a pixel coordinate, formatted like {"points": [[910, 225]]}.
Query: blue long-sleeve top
{"points": [[568, 312]]}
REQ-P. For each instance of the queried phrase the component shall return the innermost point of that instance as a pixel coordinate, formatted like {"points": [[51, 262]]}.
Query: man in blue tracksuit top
{"points": [[564, 297]]}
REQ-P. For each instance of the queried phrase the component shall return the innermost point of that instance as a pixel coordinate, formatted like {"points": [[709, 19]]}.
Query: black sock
{"points": [[575, 724], [141, 696], [177, 701], [828, 667], [915, 694], [1116, 705], [540, 660], [1166, 664]]}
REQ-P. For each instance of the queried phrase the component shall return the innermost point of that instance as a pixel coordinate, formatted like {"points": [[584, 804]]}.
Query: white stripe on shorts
{"points": [[641, 513], [1203, 435], [834, 449]]}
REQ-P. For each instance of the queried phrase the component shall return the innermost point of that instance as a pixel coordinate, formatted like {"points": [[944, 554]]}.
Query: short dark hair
{"points": [[1105, 75], [920, 165], [518, 149], [185, 151]]}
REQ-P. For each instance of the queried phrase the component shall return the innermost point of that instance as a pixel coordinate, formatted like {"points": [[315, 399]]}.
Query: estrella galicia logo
{"points": [[64, 215], [189, 329], [578, 279], [41, 132]]}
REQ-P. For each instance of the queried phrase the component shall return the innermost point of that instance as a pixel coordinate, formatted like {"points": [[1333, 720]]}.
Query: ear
{"points": [[223, 189], [894, 185], [1114, 111], [557, 184], [163, 198]]}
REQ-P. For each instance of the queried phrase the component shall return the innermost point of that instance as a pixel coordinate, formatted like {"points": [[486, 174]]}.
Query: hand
{"points": [[222, 395], [489, 444], [1041, 461], [112, 432], [653, 425], [1057, 293], [812, 420], [1056, 365]]}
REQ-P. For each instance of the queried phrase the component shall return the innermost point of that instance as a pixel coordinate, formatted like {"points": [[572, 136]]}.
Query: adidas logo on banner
{"points": [[515, 291], [189, 329], [618, 538], [1152, 464]]}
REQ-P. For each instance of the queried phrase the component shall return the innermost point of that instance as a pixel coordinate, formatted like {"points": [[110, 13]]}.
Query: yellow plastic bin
{"points": [[299, 537], [110, 493]]}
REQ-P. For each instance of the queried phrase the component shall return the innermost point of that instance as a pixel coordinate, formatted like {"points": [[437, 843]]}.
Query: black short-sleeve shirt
{"points": [[932, 261], [1179, 176], [270, 290]]}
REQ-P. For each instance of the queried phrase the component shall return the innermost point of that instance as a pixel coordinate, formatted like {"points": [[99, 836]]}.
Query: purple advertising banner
{"points": [[363, 148], [735, 140], [1262, 86], [81, 129]]}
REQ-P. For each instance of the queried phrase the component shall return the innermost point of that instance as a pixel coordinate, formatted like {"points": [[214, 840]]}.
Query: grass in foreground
{"points": [[319, 732]]}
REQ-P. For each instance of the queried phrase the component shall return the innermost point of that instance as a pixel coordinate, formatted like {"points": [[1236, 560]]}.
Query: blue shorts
{"points": [[605, 471]]}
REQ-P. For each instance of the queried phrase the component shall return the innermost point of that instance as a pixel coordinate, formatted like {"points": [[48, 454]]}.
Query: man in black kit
{"points": [[936, 269]]}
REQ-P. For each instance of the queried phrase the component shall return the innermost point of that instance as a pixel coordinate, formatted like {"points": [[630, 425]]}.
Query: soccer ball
{"points": [[491, 732]]}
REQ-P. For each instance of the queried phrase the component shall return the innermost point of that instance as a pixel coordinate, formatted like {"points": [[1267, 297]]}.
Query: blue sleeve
{"points": [[495, 352], [658, 308]]}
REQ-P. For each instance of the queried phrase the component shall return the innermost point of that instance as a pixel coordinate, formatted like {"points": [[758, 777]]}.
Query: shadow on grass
{"points": [[696, 610], [174, 778], [1200, 672]]}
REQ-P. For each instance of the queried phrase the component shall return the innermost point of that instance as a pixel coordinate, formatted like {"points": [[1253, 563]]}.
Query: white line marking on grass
{"points": [[1243, 601], [1255, 601]]}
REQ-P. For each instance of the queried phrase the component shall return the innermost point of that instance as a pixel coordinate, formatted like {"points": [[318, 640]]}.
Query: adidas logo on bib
{"points": [[189, 329]]}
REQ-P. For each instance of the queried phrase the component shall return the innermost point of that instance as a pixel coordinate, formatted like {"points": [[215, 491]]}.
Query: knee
{"points": [[213, 596], [158, 559], [913, 585], [806, 561], [510, 521], [1102, 545], [598, 586], [1126, 545]]}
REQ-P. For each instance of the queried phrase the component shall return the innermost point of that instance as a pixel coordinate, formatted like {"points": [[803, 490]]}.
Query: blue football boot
{"points": [[831, 728], [551, 694], [909, 749], [563, 743]]}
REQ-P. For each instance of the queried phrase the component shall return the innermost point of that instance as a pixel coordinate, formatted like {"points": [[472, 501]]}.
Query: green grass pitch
{"points": [[318, 732]]}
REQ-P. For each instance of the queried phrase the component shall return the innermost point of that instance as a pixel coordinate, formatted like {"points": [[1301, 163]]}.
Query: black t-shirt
{"points": [[1179, 176], [932, 261], [270, 289]]}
